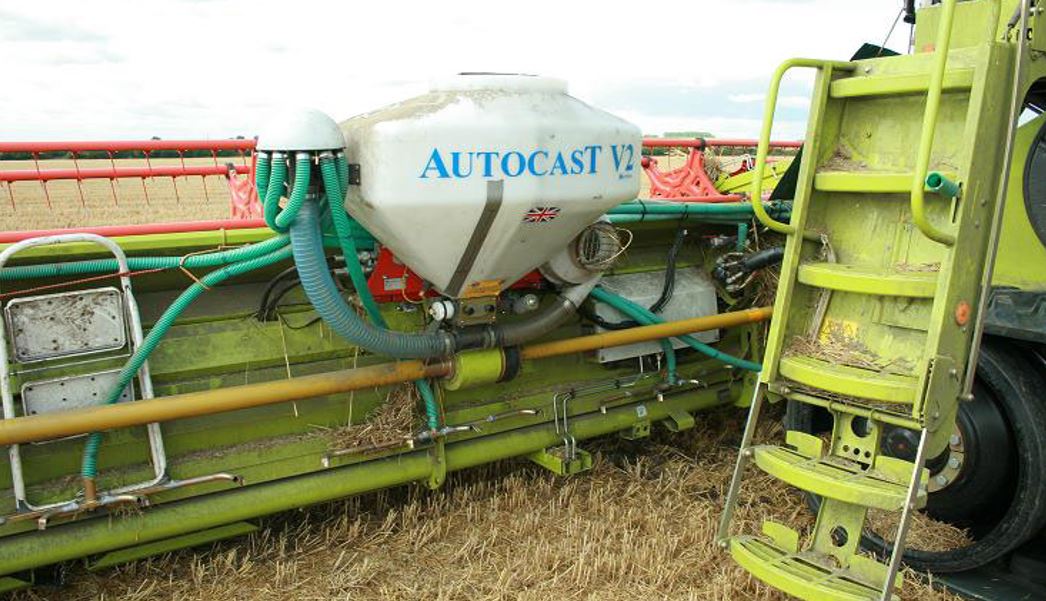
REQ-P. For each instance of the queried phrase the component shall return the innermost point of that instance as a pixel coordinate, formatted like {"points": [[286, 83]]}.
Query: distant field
{"points": [[97, 206]]}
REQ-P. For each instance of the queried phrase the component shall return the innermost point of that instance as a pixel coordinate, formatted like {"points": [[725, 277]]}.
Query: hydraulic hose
{"points": [[89, 468], [74, 268], [316, 281], [641, 207], [645, 317], [725, 213], [548, 319]]}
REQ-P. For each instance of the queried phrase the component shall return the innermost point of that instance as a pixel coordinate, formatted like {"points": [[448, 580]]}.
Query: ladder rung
{"points": [[850, 381], [867, 182], [868, 280], [834, 478], [805, 575], [889, 85]]}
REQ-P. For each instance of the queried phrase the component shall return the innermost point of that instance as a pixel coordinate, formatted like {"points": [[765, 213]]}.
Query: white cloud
{"points": [[722, 127], [106, 68]]}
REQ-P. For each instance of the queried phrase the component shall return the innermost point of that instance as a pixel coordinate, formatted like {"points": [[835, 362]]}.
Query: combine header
{"points": [[477, 274]]}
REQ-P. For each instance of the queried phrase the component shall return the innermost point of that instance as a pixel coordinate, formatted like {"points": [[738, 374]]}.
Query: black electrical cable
{"points": [[594, 317], [269, 313], [763, 258], [670, 272], [667, 289], [289, 326], [290, 272], [270, 301]]}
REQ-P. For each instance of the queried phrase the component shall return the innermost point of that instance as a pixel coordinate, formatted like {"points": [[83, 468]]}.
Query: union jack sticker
{"points": [[541, 215]]}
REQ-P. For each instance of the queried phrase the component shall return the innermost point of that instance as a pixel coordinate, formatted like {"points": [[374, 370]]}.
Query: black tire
{"points": [[1014, 383]]}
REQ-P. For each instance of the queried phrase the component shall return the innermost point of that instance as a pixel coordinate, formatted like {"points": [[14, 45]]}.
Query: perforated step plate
{"points": [[74, 392], [66, 324]]}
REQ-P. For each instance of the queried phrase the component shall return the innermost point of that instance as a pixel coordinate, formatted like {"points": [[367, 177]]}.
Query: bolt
{"points": [[954, 440], [942, 480], [868, 69], [746, 453], [954, 463], [723, 544]]}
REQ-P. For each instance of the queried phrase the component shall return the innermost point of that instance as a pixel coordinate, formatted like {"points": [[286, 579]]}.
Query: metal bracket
{"points": [[943, 386], [438, 455], [640, 428], [679, 420], [554, 461]]}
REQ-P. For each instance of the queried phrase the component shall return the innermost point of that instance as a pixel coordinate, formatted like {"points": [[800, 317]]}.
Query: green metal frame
{"points": [[285, 453]]}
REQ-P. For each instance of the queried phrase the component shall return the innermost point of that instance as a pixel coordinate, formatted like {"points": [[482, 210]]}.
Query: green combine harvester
{"points": [[467, 276]]}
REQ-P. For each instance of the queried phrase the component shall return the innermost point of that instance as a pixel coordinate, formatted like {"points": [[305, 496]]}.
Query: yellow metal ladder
{"points": [[875, 311]]}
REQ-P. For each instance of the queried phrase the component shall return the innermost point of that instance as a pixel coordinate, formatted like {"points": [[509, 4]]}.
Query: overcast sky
{"points": [[181, 68]]}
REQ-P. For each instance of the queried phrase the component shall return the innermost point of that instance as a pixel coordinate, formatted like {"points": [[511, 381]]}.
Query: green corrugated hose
{"points": [[261, 174], [89, 467], [214, 259], [343, 227], [281, 219], [630, 312], [274, 191], [334, 171], [645, 317]]}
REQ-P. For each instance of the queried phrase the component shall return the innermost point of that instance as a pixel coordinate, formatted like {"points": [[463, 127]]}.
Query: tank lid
{"points": [[517, 82], [300, 129]]}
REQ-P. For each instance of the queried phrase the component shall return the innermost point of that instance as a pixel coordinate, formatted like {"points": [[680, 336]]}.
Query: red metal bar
{"points": [[714, 142], [127, 145], [173, 227], [20, 175]]}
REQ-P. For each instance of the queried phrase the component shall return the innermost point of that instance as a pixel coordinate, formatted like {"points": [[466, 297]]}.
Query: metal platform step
{"points": [[842, 379], [882, 486], [868, 280], [777, 561], [893, 85]]}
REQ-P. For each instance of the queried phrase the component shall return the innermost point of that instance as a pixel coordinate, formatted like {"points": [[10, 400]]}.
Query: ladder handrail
{"points": [[768, 125], [933, 105], [158, 456]]}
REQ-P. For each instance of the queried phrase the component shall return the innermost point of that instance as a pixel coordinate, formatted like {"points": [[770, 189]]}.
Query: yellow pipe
{"points": [[34, 428], [644, 333]]}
